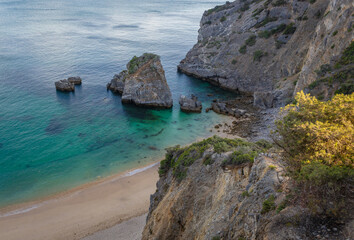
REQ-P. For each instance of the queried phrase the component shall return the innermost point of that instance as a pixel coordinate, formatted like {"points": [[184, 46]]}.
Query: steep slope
{"points": [[206, 191], [274, 46]]}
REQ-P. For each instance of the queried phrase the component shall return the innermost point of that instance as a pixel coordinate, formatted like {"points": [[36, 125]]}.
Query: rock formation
{"points": [[75, 80], [64, 86], [202, 194], [117, 83], [190, 104], [226, 108], [272, 45], [144, 83]]}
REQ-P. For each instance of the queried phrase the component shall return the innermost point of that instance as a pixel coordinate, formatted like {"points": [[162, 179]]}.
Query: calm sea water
{"points": [[51, 141]]}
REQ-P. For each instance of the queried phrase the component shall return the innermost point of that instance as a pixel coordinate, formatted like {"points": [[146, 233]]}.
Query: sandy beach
{"points": [[83, 211]]}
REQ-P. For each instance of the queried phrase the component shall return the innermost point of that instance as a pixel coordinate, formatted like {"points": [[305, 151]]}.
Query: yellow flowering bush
{"points": [[317, 139]]}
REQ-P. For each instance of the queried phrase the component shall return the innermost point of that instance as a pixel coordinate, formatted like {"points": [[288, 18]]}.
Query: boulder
{"points": [[75, 80], [190, 104], [64, 86], [224, 108], [144, 83], [263, 99], [117, 83]]}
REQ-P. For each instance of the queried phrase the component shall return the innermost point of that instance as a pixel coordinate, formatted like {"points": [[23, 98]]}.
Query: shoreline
{"points": [[82, 211], [27, 206], [89, 208]]}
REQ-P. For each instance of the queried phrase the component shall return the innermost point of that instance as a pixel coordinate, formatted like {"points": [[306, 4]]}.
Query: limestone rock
{"points": [[64, 86], [117, 83], [252, 46], [224, 107], [263, 99], [144, 83], [75, 80], [190, 104]]}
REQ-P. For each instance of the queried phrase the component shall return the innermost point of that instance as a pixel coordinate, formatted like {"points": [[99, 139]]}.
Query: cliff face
{"points": [[216, 200], [273, 46]]}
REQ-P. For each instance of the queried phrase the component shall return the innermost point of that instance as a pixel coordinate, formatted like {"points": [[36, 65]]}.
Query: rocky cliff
{"points": [[143, 83], [272, 46], [228, 189]]}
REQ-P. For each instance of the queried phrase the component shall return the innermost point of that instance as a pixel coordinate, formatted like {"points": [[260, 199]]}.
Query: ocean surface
{"points": [[52, 141]]}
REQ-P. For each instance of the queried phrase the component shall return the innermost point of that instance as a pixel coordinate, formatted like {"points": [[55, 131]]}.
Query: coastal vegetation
{"points": [[179, 159], [317, 139]]}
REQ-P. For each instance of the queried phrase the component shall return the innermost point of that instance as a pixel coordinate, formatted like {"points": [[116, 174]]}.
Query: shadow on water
{"points": [[55, 126]]}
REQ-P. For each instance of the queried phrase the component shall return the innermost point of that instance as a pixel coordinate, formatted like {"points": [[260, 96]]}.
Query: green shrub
{"points": [[278, 29], [251, 40], [265, 21], [234, 61], [264, 34], [257, 12], [323, 70], [223, 19], [334, 33], [257, 55], [317, 139], [279, 3], [290, 29], [282, 206], [216, 238], [179, 159], [348, 55], [268, 205], [243, 49], [245, 194]]}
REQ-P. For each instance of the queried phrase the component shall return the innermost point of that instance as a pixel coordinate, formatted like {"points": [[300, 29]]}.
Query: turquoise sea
{"points": [[52, 141]]}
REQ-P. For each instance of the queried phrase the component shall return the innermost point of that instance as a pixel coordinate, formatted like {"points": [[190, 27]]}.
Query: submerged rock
{"points": [[143, 83], [117, 83], [190, 104], [64, 86], [75, 80]]}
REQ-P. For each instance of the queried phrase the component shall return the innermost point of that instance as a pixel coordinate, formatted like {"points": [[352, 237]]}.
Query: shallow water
{"points": [[52, 141]]}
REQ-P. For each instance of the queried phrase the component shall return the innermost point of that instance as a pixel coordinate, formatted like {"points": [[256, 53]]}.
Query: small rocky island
{"points": [[143, 83], [68, 85], [190, 104]]}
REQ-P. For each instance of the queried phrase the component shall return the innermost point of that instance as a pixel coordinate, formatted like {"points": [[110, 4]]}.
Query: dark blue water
{"points": [[51, 141]]}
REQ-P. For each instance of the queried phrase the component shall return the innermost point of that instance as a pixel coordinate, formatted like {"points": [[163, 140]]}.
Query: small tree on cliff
{"points": [[317, 139]]}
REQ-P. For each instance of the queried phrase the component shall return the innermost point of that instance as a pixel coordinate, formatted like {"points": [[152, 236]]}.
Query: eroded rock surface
{"points": [[245, 201], [143, 83], [190, 104], [274, 46], [75, 80], [64, 86]]}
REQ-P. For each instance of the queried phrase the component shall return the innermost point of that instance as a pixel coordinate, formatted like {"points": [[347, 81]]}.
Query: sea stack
{"points": [[64, 86], [143, 83], [68, 85], [190, 104], [75, 80]]}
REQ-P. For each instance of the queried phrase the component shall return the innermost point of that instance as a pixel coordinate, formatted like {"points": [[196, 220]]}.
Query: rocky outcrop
{"points": [[213, 199], [117, 83], [190, 104], [263, 99], [75, 80], [64, 86], [143, 83], [273, 46], [226, 108]]}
